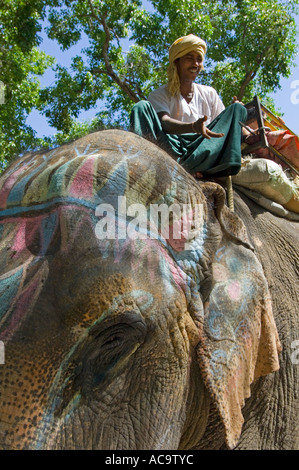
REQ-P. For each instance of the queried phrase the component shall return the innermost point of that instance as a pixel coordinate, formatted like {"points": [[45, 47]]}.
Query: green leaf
{"points": [[251, 47]]}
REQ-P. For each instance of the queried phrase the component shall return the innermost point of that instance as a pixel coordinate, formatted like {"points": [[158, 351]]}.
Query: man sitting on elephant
{"points": [[189, 120]]}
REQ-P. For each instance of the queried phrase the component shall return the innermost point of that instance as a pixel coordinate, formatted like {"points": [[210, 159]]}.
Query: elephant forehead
{"points": [[74, 267], [62, 245], [96, 168], [87, 180], [141, 265], [49, 219]]}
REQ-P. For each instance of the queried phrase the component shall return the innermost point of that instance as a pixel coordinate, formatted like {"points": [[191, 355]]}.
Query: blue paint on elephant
{"points": [[49, 225], [19, 210], [235, 265], [217, 361], [9, 287]]}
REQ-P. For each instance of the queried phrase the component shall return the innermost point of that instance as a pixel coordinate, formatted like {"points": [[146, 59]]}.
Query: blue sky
{"points": [[286, 99]]}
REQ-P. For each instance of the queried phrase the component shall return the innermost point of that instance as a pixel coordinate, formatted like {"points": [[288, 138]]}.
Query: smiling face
{"points": [[189, 66]]}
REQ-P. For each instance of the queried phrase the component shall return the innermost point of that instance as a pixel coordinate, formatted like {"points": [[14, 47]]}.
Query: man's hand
{"points": [[200, 127], [235, 100]]}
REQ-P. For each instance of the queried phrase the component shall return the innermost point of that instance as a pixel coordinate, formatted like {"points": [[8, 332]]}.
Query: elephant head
{"points": [[116, 335]]}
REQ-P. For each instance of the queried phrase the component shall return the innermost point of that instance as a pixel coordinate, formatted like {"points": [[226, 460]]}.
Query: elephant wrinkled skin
{"points": [[135, 340]]}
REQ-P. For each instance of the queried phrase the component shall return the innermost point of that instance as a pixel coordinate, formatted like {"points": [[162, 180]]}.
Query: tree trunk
{"points": [[248, 77]]}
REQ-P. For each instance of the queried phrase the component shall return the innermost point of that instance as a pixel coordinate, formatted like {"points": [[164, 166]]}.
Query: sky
{"points": [[286, 99]]}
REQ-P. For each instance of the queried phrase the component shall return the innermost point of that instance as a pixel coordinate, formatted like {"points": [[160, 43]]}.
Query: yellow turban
{"points": [[179, 48]]}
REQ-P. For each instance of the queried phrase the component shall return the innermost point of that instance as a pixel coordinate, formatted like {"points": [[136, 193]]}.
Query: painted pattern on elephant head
{"points": [[49, 276], [100, 334]]}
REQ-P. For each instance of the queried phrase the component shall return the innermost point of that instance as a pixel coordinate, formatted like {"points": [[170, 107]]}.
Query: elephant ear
{"points": [[238, 340]]}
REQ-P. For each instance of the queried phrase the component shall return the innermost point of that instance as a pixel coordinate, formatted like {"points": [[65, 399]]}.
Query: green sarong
{"points": [[212, 157]]}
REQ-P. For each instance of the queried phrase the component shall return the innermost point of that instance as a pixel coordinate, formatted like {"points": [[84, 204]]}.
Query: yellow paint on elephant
{"points": [[38, 189], [139, 192]]}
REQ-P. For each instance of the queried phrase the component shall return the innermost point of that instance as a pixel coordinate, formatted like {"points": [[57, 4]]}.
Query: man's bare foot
{"points": [[197, 175]]}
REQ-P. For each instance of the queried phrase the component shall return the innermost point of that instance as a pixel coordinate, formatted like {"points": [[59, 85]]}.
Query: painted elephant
{"points": [[125, 329]]}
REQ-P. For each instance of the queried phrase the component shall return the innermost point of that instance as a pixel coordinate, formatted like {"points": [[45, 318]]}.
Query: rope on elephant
{"points": [[230, 193]]}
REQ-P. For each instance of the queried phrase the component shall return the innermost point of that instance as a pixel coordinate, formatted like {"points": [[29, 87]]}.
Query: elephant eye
{"points": [[109, 348], [113, 341]]}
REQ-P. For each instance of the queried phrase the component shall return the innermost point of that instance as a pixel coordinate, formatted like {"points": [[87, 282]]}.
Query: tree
{"points": [[260, 45], [106, 73], [251, 46], [20, 65]]}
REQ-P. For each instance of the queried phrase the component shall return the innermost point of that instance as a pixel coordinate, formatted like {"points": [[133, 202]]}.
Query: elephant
{"points": [[123, 331]]}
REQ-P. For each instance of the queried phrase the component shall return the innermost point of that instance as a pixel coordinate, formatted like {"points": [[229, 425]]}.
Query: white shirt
{"points": [[205, 101]]}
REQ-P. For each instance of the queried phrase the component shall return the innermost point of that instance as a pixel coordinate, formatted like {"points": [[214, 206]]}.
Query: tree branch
{"points": [[244, 39], [137, 88], [252, 73], [248, 77], [93, 12], [98, 71], [109, 69]]}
